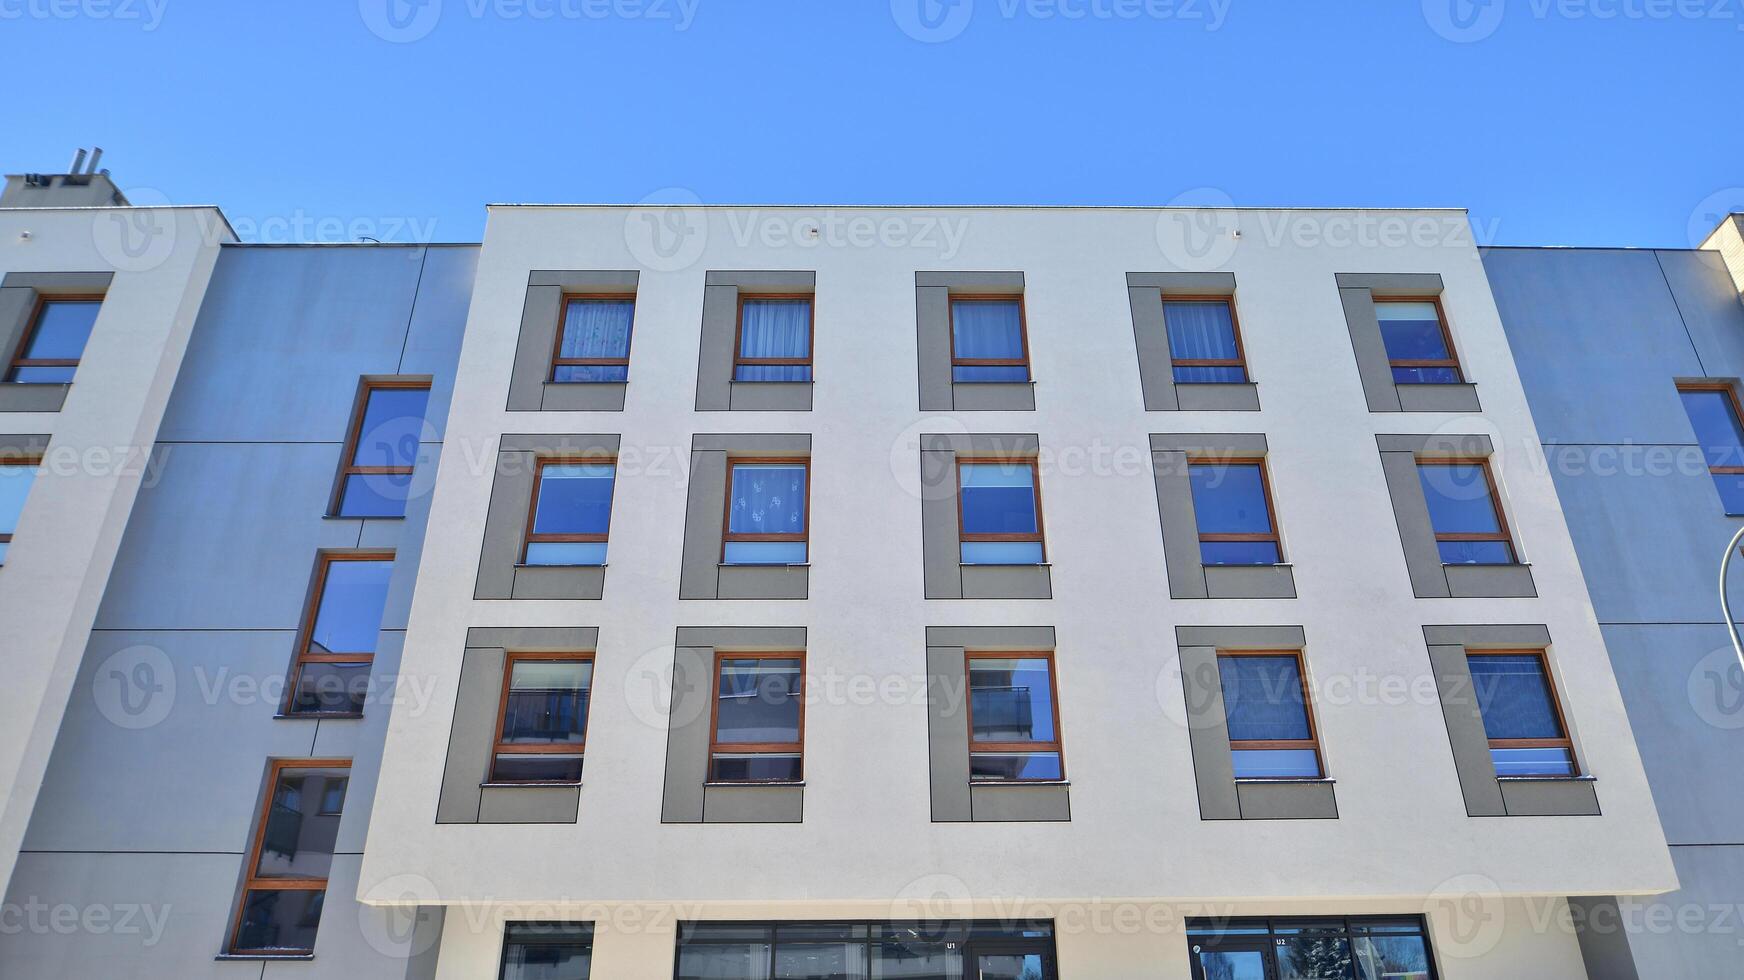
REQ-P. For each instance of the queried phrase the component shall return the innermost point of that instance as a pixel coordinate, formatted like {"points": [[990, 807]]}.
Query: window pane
{"points": [[350, 612], [918, 959], [536, 767], [62, 327], [1229, 498], [276, 920], [375, 495], [1262, 697], [1314, 958], [748, 767], [566, 553], [764, 553], [1275, 763], [724, 961], [15, 483], [1475, 552], [758, 701], [297, 841], [820, 961], [1412, 332], [1200, 330], [1425, 376], [1532, 762], [774, 328], [566, 373], [768, 498], [1239, 552], [547, 962], [1514, 696], [597, 328], [1717, 429], [1015, 765], [987, 329], [1731, 487], [998, 498], [1011, 700], [393, 420], [1391, 958], [1458, 495], [1002, 553], [42, 375], [1208, 374], [332, 687], [574, 498], [547, 702], [989, 372]]}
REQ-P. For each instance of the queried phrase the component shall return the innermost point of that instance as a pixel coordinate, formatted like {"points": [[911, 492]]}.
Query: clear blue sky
{"points": [[1560, 121]]}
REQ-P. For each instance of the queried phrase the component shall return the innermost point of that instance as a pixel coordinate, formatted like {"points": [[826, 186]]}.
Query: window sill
{"points": [[755, 564], [1275, 564], [1547, 779], [371, 517], [536, 785], [1475, 564], [525, 565], [1030, 382], [741, 381], [258, 957], [757, 782], [319, 716], [1286, 779], [989, 564], [1020, 782]]}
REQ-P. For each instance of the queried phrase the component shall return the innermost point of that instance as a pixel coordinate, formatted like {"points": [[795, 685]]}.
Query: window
{"points": [[933, 950], [290, 859], [759, 718], [1714, 414], [572, 509], [1464, 511], [1204, 341], [988, 340], [1419, 347], [1265, 699], [593, 342], [999, 512], [1522, 716], [774, 339], [542, 721], [339, 634], [1014, 721], [1310, 949], [16, 477], [1232, 502], [547, 951], [381, 450], [766, 512], [52, 346], [333, 797]]}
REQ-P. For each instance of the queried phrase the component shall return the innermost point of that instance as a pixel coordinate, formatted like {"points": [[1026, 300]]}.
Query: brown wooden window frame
{"points": [[42, 302], [1035, 478], [1240, 359], [35, 462], [1056, 746], [1737, 409], [348, 467], [252, 881], [1503, 533], [1265, 488], [530, 537], [717, 747], [306, 636], [739, 358], [1565, 742], [557, 358], [951, 302], [1282, 744], [728, 534], [500, 747], [1452, 359]]}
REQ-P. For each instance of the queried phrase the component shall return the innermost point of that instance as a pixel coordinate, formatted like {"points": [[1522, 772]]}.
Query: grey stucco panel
{"points": [[1020, 802], [687, 736], [1391, 283], [948, 734], [1250, 582], [470, 738], [1218, 397], [946, 577], [941, 555], [1284, 799], [500, 572], [535, 639], [932, 307], [559, 582], [1550, 797], [932, 316], [772, 803], [1416, 532], [582, 396], [1180, 524], [987, 445], [1490, 581], [530, 386], [1146, 292], [1156, 370], [972, 282], [702, 575], [1251, 444], [743, 637], [762, 581], [714, 364], [753, 443], [769, 396], [63, 283], [1488, 636], [1465, 731], [1430, 577], [716, 391], [993, 396], [1208, 734], [529, 804], [764, 281], [991, 637], [1242, 637], [1357, 293], [1436, 444], [1007, 581], [1604, 943], [1439, 398], [1372, 364], [537, 340], [1186, 283], [25, 445], [586, 280]]}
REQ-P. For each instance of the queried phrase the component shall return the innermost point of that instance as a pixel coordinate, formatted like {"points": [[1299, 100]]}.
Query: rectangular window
{"points": [[16, 478], [381, 450], [767, 513], [999, 512], [55, 340], [1310, 949], [1522, 716], [1465, 512], [1232, 502], [1014, 719], [930, 950], [571, 513], [542, 720], [339, 634], [547, 951], [774, 339], [1271, 731], [1204, 340], [1714, 413], [1419, 346], [988, 339], [290, 859], [759, 718], [593, 342]]}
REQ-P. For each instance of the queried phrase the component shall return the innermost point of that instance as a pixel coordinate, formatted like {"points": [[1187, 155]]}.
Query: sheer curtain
{"points": [[1200, 331], [595, 329], [774, 329]]}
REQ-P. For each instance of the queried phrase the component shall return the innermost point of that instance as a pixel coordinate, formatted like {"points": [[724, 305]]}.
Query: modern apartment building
{"points": [[737, 592]]}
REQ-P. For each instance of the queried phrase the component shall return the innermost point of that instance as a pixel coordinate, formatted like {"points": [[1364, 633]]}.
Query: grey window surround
{"points": [[466, 796], [500, 572], [1357, 292], [1156, 368], [19, 292], [1221, 795], [689, 796], [946, 577], [716, 391], [530, 386], [1430, 579], [955, 799], [1486, 794], [932, 313], [702, 574], [1189, 576], [14, 446]]}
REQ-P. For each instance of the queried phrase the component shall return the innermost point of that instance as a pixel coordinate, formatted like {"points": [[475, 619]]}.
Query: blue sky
{"points": [[1585, 122]]}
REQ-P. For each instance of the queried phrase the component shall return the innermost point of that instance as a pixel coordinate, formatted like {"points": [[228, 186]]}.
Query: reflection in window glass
{"points": [[1416, 344], [56, 342], [1011, 719], [544, 723], [1235, 518], [547, 951], [758, 719], [572, 510], [384, 452], [15, 483], [1713, 413], [293, 854], [332, 672], [1519, 709], [1270, 735], [1464, 513], [1000, 525]]}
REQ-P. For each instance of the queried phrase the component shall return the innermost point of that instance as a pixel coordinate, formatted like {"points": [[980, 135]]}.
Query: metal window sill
{"points": [[258, 957], [319, 716], [1286, 779], [990, 564], [1473, 564], [1020, 782], [1273, 564], [757, 782], [741, 381], [1030, 382], [359, 517], [547, 784], [522, 564], [1547, 779], [772, 564]]}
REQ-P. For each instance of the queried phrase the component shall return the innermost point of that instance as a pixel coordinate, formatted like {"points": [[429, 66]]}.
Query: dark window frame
{"points": [[1736, 407], [253, 882], [530, 537], [354, 434], [716, 746], [559, 361], [1281, 744], [19, 360], [1240, 360], [499, 747], [951, 301], [535, 940], [739, 358], [1502, 533], [1565, 742], [1265, 489], [1056, 746], [1262, 933], [1452, 359], [728, 534], [306, 636], [1035, 484]]}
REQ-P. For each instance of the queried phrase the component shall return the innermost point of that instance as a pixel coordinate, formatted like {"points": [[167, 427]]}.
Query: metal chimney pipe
{"points": [[78, 161], [96, 154]]}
